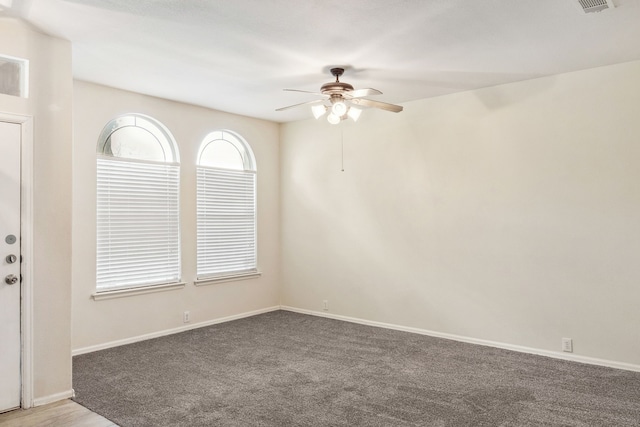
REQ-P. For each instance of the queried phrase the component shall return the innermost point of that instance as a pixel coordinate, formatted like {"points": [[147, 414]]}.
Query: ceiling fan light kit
{"points": [[333, 119], [354, 113], [338, 98], [339, 108], [319, 110]]}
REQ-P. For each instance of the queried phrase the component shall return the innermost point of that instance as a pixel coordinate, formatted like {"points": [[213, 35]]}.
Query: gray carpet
{"points": [[288, 369]]}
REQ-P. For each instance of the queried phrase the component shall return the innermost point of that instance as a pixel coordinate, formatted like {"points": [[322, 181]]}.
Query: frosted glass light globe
{"points": [[339, 108], [333, 119]]}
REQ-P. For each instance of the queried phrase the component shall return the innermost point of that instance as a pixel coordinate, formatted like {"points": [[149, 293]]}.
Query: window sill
{"points": [[229, 278], [119, 293]]}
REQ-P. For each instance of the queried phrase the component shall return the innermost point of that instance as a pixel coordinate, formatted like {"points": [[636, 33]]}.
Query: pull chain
{"points": [[342, 147]]}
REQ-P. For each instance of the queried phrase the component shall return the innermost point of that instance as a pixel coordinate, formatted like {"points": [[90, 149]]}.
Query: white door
{"points": [[9, 266]]}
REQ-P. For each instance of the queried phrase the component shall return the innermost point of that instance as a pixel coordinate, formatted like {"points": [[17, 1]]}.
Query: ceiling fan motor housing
{"points": [[337, 88], [334, 88]]}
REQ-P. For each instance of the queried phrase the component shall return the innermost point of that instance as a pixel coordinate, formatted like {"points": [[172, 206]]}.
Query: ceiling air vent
{"points": [[590, 6]]}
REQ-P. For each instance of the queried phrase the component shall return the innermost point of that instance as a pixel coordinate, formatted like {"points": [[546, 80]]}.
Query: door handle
{"points": [[10, 279]]}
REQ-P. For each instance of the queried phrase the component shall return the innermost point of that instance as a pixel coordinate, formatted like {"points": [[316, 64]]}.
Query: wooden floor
{"points": [[64, 413]]}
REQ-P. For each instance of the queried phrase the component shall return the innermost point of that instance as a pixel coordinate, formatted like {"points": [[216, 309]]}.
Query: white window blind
{"points": [[226, 222], [138, 235]]}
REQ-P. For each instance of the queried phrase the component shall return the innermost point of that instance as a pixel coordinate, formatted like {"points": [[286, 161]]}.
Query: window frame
{"points": [[249, 168], [163, 177]]}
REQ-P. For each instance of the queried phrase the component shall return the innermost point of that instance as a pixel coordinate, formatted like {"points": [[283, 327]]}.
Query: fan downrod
{"points": [[337, 72]]}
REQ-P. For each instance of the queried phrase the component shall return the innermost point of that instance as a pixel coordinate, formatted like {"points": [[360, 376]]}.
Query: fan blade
{"points": [[317, 101], [305, 91], [363, 92], [377, 104]]}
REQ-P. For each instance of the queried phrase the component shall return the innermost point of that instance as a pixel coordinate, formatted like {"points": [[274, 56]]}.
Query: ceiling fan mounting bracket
{"points": [[337, 72]]}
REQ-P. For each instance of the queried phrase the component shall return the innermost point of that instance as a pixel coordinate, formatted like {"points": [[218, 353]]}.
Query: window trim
{"points": [[214, 280], [140, 290]]}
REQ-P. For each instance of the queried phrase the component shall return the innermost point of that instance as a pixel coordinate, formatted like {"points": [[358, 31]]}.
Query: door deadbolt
{"points": [[11, 279], [11, 259]]}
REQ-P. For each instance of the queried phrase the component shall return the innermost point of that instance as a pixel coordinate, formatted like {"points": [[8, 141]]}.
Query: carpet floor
{"points": [[289, 369]]}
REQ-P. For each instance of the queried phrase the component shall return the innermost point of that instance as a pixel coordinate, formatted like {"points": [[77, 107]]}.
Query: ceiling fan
{"points": [[341, 100]]}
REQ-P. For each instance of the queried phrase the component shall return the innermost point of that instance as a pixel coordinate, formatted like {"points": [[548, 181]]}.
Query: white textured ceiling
{"points": [[238, 55]]}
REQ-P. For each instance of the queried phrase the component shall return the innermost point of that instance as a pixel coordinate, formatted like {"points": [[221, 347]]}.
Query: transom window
{"points": [[138, 137], [226, 218], [224, 149], [138, 179]]}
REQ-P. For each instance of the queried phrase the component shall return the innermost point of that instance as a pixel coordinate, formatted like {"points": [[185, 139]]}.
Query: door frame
{"points": [[26, 251]]}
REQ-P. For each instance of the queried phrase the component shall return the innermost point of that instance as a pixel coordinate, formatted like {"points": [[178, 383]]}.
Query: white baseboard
{"points": [[45, 400], [187, 327], [518, 348]]}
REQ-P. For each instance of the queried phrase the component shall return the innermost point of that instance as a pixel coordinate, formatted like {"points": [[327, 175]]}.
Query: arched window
{"points": [[138, 223], [226, 218]]}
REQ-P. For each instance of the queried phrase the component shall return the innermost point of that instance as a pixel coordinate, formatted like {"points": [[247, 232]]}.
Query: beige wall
{"points": [[49, 104], [100, 322], [508, 214]]}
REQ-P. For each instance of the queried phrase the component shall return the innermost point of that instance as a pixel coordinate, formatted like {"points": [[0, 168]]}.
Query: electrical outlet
{"points": [[325, 305], [567, 345], [186, 317]]}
